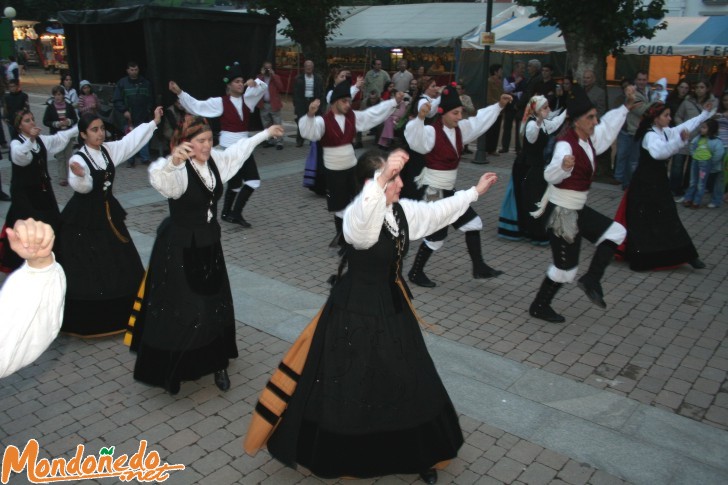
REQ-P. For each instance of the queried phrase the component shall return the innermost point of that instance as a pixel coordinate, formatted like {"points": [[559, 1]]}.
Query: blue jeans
{"points": [[718, 189], [628, 156], [699, 172], [677, 169]]}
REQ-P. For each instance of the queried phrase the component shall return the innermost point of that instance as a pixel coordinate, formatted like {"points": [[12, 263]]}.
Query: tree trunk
{"points": [[582, 58]]}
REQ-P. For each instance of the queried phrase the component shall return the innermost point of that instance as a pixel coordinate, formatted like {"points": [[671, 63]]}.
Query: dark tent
{"points": [[191, 46]]}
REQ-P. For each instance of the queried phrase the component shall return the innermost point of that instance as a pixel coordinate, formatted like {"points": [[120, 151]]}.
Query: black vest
{"points": [[188, 214]]}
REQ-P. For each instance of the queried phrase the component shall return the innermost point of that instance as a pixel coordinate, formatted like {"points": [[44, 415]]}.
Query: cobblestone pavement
{"points": [[659, 343]]}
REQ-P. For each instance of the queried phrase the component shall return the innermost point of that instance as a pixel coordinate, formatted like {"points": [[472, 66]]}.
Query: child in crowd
{"points": [[88, 102], [707, 153]]}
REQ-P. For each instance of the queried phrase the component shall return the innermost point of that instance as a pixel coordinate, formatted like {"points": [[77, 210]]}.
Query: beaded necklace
{"points": [[210, 187], [107, 171]]}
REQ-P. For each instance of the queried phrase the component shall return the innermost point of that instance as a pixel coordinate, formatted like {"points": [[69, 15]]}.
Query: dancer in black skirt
{"points": [[30, 187], [186, 326], [656, 238], [97, 253], [369, 401]]}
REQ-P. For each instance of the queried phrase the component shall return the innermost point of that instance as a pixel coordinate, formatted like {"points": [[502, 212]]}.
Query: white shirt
{"points": [[548, 126], [170, 180], [363, 218], [421, 137], [662, 143], [308, 90], [604, 135], [31, 312], [22, 151], [343, 157], [212, 108], [119, 151]]}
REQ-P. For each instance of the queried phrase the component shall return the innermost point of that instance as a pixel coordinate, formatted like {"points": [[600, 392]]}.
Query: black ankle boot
{"points": [[227, 204], [338, 238], [222, 381], [541, 306], [480, 269], [429, 476], [417, 274], [590, 282], [237, 213]]}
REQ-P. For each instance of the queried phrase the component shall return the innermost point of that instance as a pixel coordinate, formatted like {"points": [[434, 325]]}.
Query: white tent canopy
{"points": [[414, 25], [684, 36]]}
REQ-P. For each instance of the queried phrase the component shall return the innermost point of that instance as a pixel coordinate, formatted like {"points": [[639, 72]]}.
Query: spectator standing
{"points": [[307, 87], [495, 89], [514, 85], [14, 101], [719, 80], [402, 77], [134, 99], [722, 117], [71, 93], [88, 102], [691, 107], [12, 71], [271, 104], [60, 115], [546, 86], [375, 79], [677, 164], [707, 152], [628, 148]]}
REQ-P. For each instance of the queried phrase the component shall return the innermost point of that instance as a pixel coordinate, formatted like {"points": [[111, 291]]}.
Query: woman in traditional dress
{"points": [[30, 187], [185, 328], [369, 401], [656, 239], [102, 264], [527, 177]]}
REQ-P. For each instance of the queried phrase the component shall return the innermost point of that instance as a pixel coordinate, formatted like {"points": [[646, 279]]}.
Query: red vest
{"points": [[582, 175], [230, 119], [444, 156], [333, 137]]}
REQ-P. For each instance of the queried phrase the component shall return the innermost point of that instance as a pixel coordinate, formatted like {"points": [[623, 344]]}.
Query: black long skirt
{"points": [[656, 237]]}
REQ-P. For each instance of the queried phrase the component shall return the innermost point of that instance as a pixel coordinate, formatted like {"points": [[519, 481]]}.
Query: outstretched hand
{"points": [[393, 166], [424, 110], [158, 113], [486, 182], [33, 241], [314, 107], [77, 169], [276, 131], [175, 88]]}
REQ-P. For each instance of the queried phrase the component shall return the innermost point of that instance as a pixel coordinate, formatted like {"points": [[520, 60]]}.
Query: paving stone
{"points": [[506, 470]]}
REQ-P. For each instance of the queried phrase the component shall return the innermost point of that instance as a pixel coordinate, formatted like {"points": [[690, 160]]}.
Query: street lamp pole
{"points": [[481, 152]]}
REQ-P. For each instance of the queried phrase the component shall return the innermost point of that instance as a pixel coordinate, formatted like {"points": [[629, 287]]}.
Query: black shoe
{"points": [[240, 221], [593, 291], [429, 476], [545, 312], [421, 279], [485, 271], [130, 164], [695, 263], [299, 144], [172, 387], [4, 197], [279, 147], [146, 162], [222, 381], [358, 145], [503, 150]]}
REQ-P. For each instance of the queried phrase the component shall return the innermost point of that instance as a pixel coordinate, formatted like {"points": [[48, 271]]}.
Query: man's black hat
{"points": [[341, 90]]}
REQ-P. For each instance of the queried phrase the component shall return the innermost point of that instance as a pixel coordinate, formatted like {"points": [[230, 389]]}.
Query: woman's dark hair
{"points": [[494, 68], [19, 117], [712, 127], [672, 95], [705, 81], [368, 163], [649, 118], [85, 121], [191, 127]]}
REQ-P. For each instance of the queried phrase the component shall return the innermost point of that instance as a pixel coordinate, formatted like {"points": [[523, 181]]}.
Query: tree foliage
{"points": [[593, 29], [311, 24], [603, 26]]}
